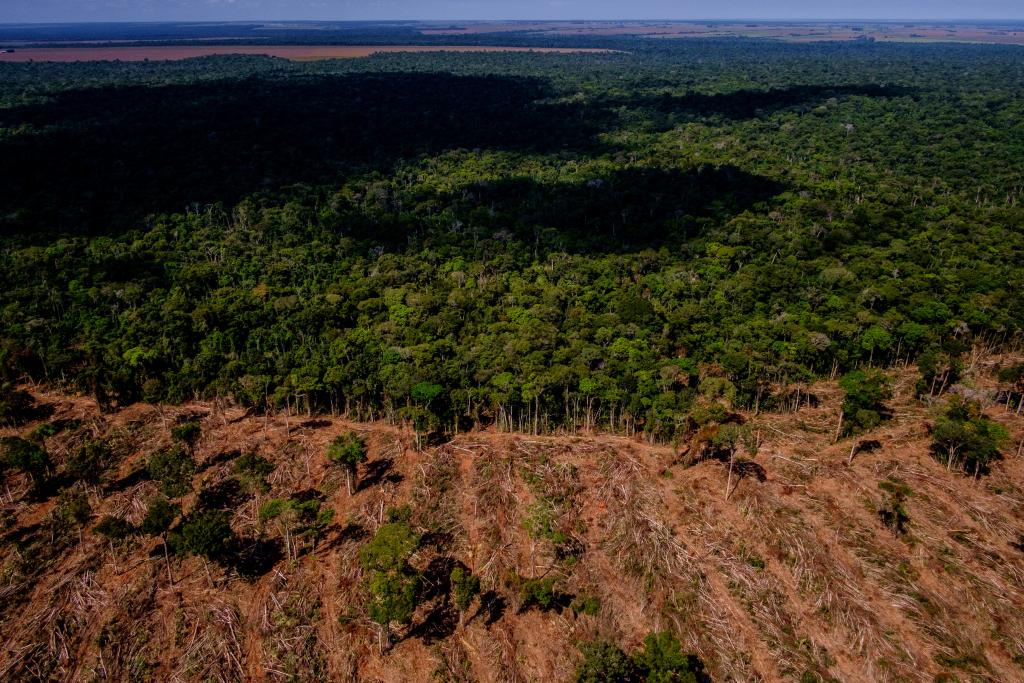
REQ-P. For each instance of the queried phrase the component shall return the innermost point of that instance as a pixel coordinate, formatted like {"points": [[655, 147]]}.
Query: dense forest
{"points": [[633, 241]]}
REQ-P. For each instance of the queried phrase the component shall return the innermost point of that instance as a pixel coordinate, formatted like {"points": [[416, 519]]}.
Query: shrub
{"points": [[208, 533], [173, 469], [115, 529], [89, 462], [33, 460], [253, 470], [160, 515], [187, 433], [661, 661], [893, 512]]}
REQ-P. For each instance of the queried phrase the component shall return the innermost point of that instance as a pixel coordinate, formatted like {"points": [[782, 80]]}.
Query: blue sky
{"points": [[183, 10]]}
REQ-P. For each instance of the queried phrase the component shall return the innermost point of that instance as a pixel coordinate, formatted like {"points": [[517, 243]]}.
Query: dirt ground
{"points": [[781, 572]]}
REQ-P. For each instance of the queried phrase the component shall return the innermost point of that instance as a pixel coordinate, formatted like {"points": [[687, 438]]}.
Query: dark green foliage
{"points": [[16, 405], [391, 582], [70, 511], [187, 433], [253, 469], [541, 592], [589, 605], [604, 662], [392, 597], [964, 438], [172, 468], [465, 587], [33, 460], [390, 548], [660, 661], [893, 511], [347, 451], [207, 533], [114, 529], [89, 462], [534, 241], [160, 515], [299, 517], [863, 405]]}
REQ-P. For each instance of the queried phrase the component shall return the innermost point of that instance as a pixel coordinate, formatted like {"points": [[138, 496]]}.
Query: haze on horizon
{"points": [[69, 11]]}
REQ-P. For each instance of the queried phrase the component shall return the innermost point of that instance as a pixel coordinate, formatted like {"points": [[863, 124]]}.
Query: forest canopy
{"points": [[534, 241]]}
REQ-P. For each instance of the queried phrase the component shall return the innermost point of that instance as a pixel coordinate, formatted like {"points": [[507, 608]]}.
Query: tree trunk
{"points": [[167, 559]]}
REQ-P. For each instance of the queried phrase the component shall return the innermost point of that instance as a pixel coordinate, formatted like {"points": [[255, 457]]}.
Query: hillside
{"points": [[792, 575]]}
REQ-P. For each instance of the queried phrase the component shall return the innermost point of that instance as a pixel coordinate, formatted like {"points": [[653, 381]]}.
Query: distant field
{"points": [[296, 52], [800, 32]]}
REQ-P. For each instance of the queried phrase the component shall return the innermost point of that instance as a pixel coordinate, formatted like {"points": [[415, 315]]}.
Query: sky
{"points": [[59, 11]]}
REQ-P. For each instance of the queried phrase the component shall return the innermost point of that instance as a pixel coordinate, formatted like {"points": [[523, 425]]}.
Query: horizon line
{"points": [[803, 20]]}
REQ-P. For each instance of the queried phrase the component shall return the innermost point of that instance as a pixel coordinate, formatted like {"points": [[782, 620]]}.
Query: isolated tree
{"points": [[348, 450], [27, 457], [964, 438], [71, 511], [392, 582], [115, 529], [160, 515], [863, 405], [207, 534], [660, 661], [296, 518], [465, 587], [604, 662], [187, 433], [253, 470]]}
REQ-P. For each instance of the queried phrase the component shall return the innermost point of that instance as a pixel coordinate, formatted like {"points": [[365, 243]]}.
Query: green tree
{"points": [[253, 470], [160, 515], [863, 405], [465, 587], [347, 451], [296, 518], [114, 529], [964, 438], [392, 582], [89, 462], [662, 661], [71, 511]]}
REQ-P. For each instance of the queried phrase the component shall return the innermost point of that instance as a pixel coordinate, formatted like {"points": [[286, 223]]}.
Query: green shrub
{"points": [[172, 469], [115, 529], [660, 661]]}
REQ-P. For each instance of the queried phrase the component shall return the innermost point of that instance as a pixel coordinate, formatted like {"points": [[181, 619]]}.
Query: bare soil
{"points": [[779, 579]]}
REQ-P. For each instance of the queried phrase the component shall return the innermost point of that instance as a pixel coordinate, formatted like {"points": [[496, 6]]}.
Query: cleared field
{"points": [[296, 52], [799, 32]]}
